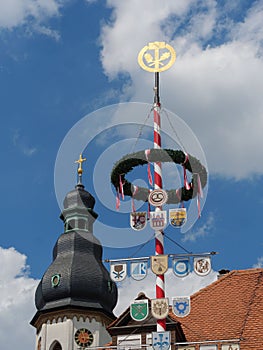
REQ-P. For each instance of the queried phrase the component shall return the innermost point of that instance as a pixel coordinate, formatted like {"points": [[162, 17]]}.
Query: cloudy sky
{"points": [[65, 66]]}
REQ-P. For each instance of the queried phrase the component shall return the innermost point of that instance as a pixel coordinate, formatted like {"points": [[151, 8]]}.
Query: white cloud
{"points": [[259, 263], [14, 13], [20, 142], [200, 232], [174, 286], [216, 82], [17, 301]]}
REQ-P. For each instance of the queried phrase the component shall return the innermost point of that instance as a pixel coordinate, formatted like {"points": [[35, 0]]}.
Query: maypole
{"points": [[156, 57], [158, 184]]}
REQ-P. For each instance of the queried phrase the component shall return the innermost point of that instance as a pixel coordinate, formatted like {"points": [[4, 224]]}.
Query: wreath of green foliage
{"points": [[130, 161]]}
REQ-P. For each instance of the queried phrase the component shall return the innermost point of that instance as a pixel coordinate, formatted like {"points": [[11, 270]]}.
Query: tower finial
{"points": [[80, 170]]}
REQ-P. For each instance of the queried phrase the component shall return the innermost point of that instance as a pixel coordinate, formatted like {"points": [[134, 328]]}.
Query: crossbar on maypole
{"points": [[157, 57]]}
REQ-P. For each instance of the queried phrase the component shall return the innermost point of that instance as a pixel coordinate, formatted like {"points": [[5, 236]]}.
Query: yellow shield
{"points": [[159, 264]]}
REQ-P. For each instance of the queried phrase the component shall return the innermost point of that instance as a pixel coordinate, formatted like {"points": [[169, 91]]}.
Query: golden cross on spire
{"points": [[80, 161]]}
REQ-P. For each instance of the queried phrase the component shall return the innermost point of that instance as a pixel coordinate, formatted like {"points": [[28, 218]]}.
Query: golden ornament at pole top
{"points": [[80, 161], [156, 57]]}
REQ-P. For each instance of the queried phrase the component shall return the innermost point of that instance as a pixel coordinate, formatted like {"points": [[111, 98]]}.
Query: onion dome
{"points": [[77, 277], [79, 198]]}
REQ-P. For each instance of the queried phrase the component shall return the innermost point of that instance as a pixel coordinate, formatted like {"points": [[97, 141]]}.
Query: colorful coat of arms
{"points": [[159, 264], [158, 219], [160, 308], [157, 197], [139, 269], [139, 310], [181, 267], [177, 217], [181, 306], [138, 220], [118, 271], [202, 265], [161, 340]]}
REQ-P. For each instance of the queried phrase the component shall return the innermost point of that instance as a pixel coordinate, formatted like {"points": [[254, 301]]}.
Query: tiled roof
{"points": [[230, 308]]}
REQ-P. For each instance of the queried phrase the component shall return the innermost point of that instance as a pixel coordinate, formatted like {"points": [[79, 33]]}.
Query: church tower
{"points": [[75, 296]]}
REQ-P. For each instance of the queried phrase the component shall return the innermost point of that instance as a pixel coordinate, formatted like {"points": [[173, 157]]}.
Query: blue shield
{"points": [[181, 267], [161, 340], [139, 270], [181, 306]]}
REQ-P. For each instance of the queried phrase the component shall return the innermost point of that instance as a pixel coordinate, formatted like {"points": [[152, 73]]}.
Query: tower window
{"points": [[55, 346], [82, 224], [71, 224]]}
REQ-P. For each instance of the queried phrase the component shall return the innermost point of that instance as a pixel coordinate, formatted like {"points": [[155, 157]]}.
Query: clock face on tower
{"points": [[83, 337]]}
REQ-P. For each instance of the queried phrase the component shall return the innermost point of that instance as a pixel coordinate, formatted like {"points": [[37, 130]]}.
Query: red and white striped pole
{"points": [[158, 184], [151, 59]]}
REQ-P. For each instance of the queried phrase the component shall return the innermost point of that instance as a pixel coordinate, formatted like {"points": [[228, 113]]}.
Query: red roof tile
{"points": [[230, 308]]}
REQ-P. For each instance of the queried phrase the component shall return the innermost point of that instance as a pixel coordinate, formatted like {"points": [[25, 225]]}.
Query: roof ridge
{"points": [[227, 275]]}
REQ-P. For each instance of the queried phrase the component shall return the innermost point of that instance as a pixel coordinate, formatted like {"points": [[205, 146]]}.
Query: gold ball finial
{"points": [[156, 57]]}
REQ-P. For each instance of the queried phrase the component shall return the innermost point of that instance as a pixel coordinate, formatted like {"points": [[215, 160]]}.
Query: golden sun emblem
{"points": [[156, 57]]}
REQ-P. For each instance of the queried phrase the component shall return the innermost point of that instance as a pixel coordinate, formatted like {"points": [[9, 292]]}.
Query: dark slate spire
{"points": [[77, 277]]}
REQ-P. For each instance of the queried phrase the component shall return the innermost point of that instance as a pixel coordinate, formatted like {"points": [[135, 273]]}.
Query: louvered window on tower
{"points": [[76, 223]]}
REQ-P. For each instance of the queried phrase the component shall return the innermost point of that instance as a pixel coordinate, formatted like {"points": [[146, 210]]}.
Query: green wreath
{"points": [[130, 161]]}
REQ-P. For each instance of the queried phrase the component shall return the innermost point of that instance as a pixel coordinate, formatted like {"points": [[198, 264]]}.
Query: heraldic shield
{"points": [[160, 308], [181, 267], [161, 340], [139, 310], [157, 197], [118, 271], [159, 264], [202, 266], [177, 217], [138, 220], [139, 269], [181, 306], [158, 220]]}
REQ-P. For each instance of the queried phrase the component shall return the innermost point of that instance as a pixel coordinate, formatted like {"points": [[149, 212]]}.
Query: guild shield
{"points": [[139, 310], [157, 197], [202, 265], [158, 220], [160, 308], [181, 306], [138, 220], [118, 271], [208, 347], [159, 264], [161, 340], [177, 217], [139, 269], [181, 267]]}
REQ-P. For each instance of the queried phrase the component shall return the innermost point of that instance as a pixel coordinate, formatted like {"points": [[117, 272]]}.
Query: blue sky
{"points": [[61, 62]]}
